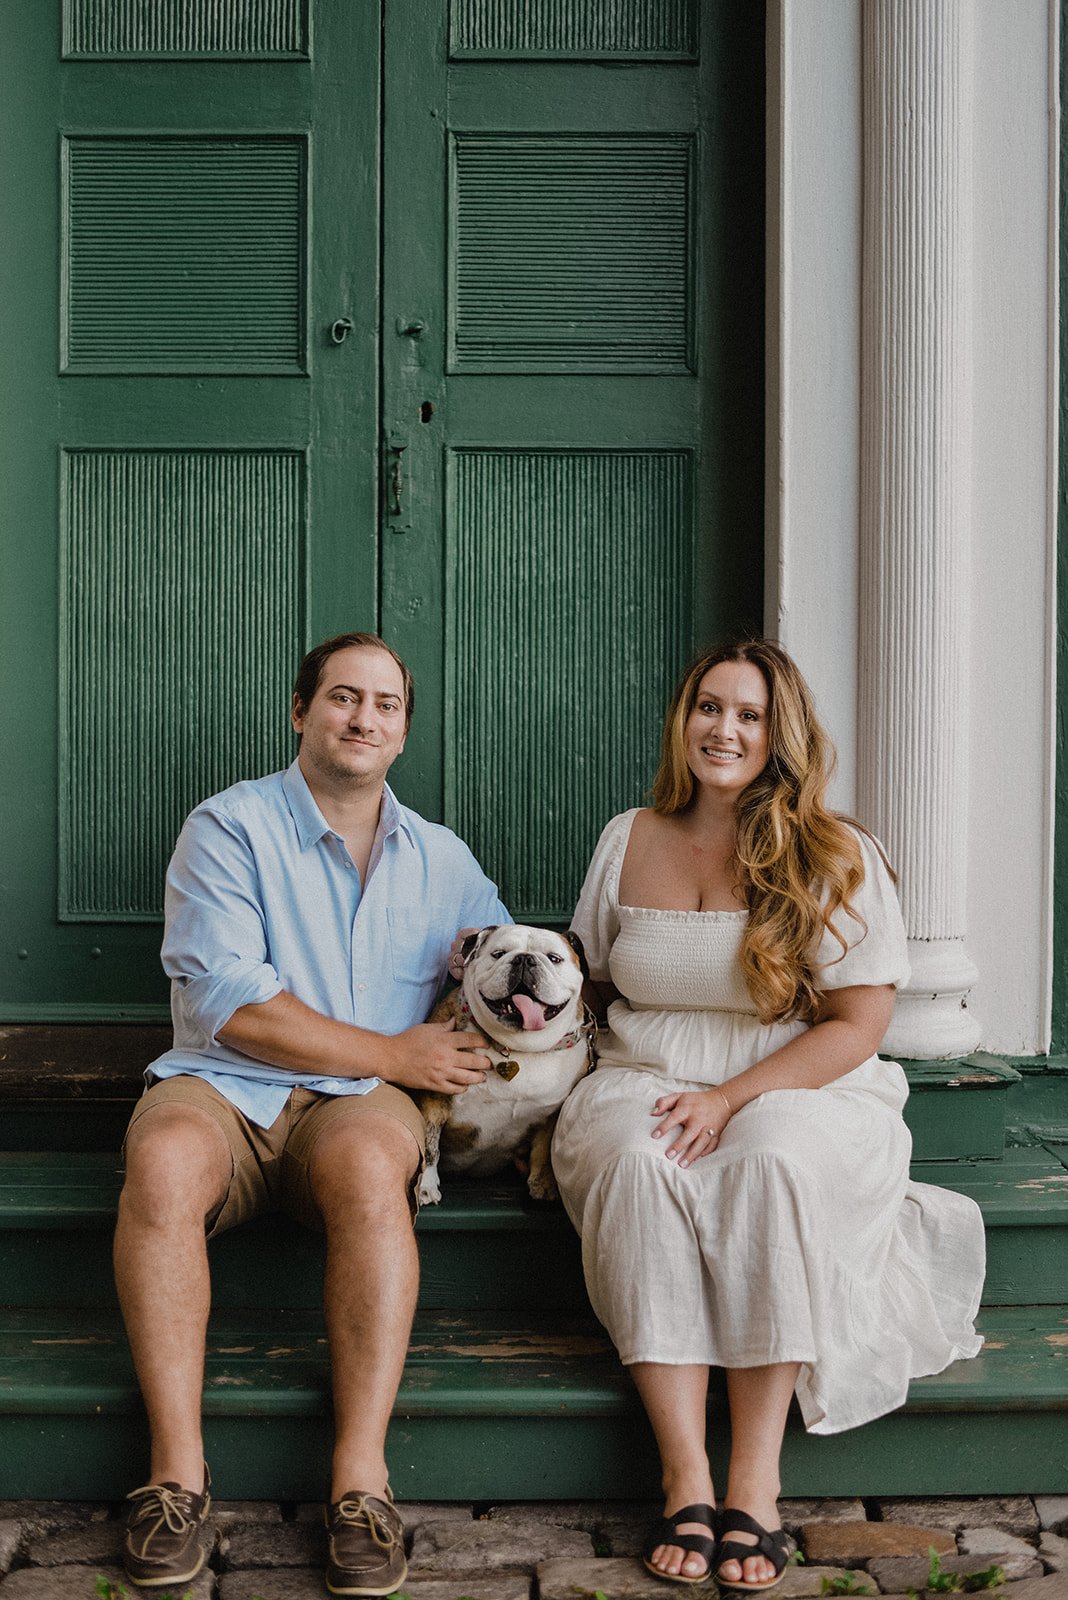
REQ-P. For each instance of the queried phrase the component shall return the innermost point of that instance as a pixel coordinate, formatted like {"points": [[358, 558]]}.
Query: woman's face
{"points": [[727, 730]]}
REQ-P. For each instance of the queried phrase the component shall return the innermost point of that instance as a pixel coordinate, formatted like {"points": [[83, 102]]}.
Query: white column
{"points": [[916, 473]]}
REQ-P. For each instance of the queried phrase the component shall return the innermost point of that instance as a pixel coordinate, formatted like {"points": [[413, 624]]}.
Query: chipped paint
{"points": [[1043, 1185], [72, 1341], [224, 1381], [566, 1345], [234, 1349], [1058, 1339]]}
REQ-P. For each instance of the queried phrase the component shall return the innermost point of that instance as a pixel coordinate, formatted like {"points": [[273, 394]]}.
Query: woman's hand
{"points": [[697, 1120]]}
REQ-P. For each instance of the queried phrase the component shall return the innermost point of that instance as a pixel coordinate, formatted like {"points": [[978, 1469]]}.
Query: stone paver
{"points": [[617, 1527], [845, 1544], [794, 1512], [413, 1512], [56, 1550], [12, 1534], [615, 1576], [1052, 1512], [40, 1516], [1015, 1513], [581, 1514], [283, 1544], [99, 1542], [1054, 1551], [992, 1542], [226, 1512], [79, 1583], [480, 1586], [1054, 1587], [485, 1546], [619, 1579], [288, 1583], [621, 1527], [904, 1572]]}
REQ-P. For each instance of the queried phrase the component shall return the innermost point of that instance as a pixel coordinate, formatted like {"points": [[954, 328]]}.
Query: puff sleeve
{"points": [[596, 919], [877, 952]]}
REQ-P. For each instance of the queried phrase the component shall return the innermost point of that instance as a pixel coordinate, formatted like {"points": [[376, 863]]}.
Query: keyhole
{"points": [[426, 411]]}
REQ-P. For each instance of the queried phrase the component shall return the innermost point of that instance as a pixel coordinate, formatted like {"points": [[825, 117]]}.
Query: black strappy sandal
{"points": [[699, 1544], [776, 1547]]}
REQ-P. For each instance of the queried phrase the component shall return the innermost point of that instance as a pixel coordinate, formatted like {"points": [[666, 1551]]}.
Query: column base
{"points": [[931, 1021]]}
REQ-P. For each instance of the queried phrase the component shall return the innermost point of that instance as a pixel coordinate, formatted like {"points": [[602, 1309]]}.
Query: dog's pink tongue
{"points": [[531, 1011]]}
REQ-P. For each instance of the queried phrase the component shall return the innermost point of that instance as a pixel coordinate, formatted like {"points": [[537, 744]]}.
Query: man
{"points": [[308, 922]]}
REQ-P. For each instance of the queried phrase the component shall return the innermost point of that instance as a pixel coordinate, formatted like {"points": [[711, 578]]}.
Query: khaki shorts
{"points": [[269, 1167]]}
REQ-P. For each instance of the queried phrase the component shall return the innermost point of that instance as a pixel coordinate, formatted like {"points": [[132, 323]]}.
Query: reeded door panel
{"points": [[572, 389], [441, 318]]}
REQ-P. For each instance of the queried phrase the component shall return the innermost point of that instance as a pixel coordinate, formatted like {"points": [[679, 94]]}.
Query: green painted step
{"points": [[957, 1109], [485, 1247], [490, 1409], [71, 1088]]}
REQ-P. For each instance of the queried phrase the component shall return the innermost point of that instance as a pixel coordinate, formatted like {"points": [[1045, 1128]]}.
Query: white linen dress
{"points": [[801, 1237]]}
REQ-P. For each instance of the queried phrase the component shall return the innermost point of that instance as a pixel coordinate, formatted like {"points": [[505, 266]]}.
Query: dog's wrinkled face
{"points": [[520, 980]]}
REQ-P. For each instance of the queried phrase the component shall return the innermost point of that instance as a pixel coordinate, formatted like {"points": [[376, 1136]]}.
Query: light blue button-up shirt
{"points": [[263, 897]]}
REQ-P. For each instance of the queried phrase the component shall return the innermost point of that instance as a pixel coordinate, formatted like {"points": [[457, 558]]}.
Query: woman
{"points": [[738, 1166]]}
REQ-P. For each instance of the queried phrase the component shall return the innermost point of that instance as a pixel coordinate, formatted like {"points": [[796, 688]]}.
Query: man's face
{"points": [[353, 730]]}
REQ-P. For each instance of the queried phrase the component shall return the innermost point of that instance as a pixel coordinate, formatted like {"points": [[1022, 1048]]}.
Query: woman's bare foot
{"points": [[671, 1560], [756, 1569]]}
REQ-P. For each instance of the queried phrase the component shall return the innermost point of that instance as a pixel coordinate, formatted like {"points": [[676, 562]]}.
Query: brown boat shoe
{"points": [[162, 1543], [366, 1545]]}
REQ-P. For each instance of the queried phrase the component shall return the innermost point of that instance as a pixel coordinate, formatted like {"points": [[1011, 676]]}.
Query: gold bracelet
{"points": [[726, 1102]]}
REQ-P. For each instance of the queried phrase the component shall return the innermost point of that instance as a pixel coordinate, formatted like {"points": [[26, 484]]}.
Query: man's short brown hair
{"points": [[310, 672]]}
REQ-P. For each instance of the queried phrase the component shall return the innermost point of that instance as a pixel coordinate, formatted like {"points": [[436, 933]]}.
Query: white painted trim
{"points": [[813, 277], [1046, 961], [813, 340]]}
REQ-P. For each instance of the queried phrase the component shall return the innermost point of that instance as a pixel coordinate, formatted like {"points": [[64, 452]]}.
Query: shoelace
{"points": [[358, 1511], [166, 1505]]}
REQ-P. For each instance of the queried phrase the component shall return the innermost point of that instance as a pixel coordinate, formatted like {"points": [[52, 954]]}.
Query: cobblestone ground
{"points": [[574, 1551]]}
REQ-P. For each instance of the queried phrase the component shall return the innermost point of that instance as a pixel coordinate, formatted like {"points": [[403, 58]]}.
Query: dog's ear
{"points": [[467, 949], [576, 944]]}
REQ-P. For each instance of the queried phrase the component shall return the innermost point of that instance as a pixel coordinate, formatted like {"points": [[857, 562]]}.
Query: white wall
{"points": [[814, 287]]}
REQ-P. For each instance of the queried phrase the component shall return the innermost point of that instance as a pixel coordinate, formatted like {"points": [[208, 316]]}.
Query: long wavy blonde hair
{"points": [[798, 863]]}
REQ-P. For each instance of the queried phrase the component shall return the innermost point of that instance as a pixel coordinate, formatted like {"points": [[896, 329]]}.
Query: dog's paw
{"points": [[541, 1185], [429, 1188]]}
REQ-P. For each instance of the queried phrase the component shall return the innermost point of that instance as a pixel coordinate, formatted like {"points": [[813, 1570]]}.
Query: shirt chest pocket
{"points": [[419, 937]]}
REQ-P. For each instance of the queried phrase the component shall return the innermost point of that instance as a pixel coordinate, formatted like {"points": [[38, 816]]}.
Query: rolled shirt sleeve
{"points": [[215, 948]]}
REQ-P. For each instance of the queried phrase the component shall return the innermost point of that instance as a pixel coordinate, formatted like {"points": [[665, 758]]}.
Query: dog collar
{"points": [[508, 1068]]}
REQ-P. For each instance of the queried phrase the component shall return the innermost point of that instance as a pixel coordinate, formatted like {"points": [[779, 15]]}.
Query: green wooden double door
{"points": [[438, 319]]}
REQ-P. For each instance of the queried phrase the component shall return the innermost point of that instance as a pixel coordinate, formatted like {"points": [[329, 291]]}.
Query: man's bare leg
{"points": [[360, 1174], [178, 1168]]}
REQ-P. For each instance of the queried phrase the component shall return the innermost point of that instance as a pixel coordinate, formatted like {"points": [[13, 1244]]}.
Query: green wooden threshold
{"points": [[489, 1409]]}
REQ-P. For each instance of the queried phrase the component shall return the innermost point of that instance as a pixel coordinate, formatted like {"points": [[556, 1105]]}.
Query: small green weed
{"points": [[106, 1590], [847, 1584], [939, 1582]]}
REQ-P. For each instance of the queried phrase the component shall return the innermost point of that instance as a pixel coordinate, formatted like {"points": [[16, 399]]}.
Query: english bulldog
{"points": [[522, 989]]}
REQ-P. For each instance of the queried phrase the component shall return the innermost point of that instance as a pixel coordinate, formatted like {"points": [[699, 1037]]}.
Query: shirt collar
{"points": [[312, 826]]}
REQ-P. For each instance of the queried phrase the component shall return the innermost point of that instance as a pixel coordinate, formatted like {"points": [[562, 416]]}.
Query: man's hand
{"points": [[434, 1056]]}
